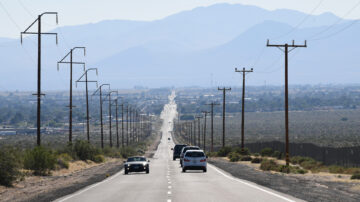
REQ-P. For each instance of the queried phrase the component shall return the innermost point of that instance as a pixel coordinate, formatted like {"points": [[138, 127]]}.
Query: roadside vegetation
{"points": [[271, 160], [15, 162]]}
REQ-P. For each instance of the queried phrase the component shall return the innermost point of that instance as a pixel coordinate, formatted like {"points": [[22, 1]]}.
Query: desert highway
{"points": [[167, 183]]}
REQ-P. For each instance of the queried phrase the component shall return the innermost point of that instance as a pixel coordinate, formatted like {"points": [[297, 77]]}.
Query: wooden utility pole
{"points": [[199, 132], [212, 125], [39, 93], [127, 125], [223, 127], [122, 124], [117, 122], [243, 71], [190, 133], [286, 51], [204, 132], [110, 118], [87, 99], [194, 133], [101, 112], [70, 54]]}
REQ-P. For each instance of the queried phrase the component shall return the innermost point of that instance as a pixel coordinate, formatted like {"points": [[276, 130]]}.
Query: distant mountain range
{"points": [[197, 47]]}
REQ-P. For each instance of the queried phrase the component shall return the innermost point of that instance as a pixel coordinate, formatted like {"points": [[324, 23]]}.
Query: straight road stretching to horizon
{"points": [[166, 182]]}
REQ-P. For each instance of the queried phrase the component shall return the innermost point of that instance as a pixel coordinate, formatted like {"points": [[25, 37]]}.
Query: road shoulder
{"points": [[296, 186]]}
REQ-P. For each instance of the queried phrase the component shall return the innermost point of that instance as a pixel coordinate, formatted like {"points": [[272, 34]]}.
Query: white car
{"points": [[194, 160]]}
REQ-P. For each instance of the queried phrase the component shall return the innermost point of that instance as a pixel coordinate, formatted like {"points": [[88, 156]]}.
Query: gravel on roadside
{"points": [[297, 186]]}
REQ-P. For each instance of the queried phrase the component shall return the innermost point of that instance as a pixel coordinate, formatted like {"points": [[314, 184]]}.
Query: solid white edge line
{"points": [[250, 185], [89, 187]]}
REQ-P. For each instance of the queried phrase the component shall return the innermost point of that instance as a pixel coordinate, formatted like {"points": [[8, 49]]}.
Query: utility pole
{"points": [[101, 112], [212, 104], [70, 54], [122, 124], [117, 122], [131, 125], [190, 132], [127, 125], [136, 126], [223, 127], [194, 134], [243, 71], [117, 117], [87, 99], [204, 136], [204, 132], [39, 93], [286, 51], [199, 117], [110, 117]]}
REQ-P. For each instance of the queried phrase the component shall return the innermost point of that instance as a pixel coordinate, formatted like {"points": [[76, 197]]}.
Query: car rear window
{"points": [[178, 148], [195, 154], [136, 159], [190, 148]]}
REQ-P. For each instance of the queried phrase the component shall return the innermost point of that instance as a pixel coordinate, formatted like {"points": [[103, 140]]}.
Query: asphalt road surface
{"points": [[167, 183]]}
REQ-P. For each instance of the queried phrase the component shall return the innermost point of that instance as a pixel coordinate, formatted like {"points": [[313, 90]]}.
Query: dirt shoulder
{"points": [[62, 182], [309, 187], [66, 181]]}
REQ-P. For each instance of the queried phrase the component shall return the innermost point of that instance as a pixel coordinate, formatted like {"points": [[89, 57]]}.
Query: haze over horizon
{"points": [[18, 14], [197, 47]]}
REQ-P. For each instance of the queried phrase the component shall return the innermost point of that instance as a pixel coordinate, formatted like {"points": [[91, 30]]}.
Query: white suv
{"points": [[194, 160]]}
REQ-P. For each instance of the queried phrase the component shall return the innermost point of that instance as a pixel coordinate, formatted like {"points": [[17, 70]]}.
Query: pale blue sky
{"points": [[15, 15]]}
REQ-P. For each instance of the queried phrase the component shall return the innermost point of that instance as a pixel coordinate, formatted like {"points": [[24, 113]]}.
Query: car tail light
{"points": [[186, 160], [203, 160]]}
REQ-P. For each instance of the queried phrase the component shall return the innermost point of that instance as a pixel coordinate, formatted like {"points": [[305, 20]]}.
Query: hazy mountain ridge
{"points": [[184, 49]]}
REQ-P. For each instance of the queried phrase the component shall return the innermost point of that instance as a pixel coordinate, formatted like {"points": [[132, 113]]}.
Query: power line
{"points": [[336, 23], [302, 21], [337, 32], [9, 16]]}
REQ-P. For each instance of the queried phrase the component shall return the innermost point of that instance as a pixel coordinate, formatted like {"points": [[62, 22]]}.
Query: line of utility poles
{"points": [[39, 93], [223, 113], [286, 51], [243, 71], [137, 130]]}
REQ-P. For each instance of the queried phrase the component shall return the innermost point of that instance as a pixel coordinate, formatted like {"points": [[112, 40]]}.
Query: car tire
{"points": [[126, 172], [204, 170], [174, 158], [184, 170], [147, 171]]}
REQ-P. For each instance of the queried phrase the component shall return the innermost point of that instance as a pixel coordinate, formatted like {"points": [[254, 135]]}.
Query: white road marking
{"points": [[169, 192], [250, 185], [169, 200], [90, 187], [169, 187]]}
